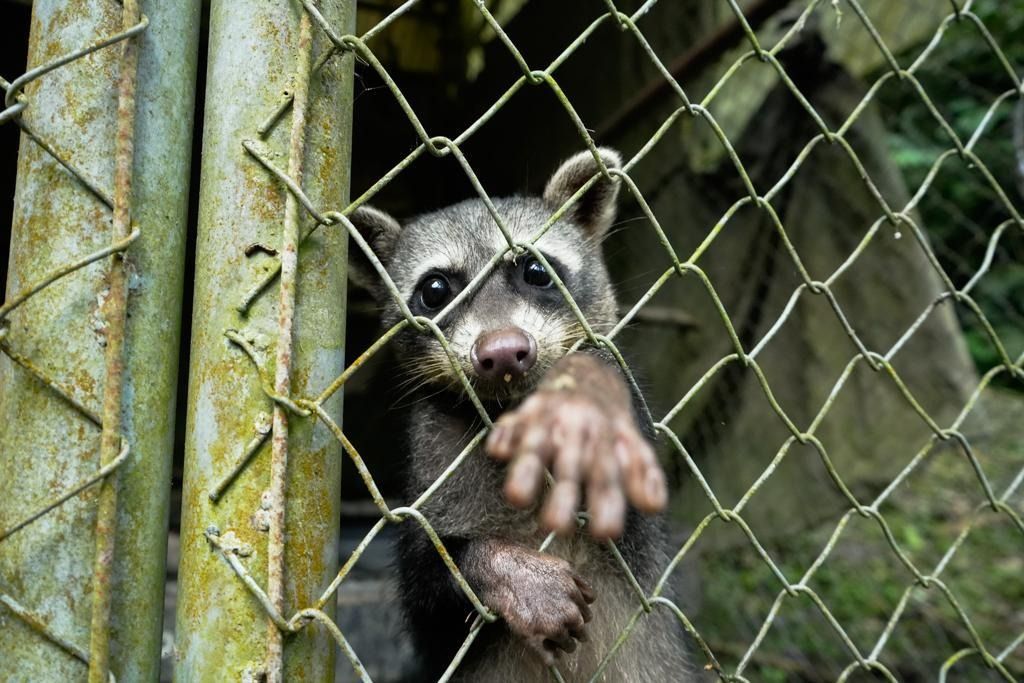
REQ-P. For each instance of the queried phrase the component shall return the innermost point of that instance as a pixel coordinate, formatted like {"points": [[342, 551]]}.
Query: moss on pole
{"points": [[52, 372], [271, 98]]}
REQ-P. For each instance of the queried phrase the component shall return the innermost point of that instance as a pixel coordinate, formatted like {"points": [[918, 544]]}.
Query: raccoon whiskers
{"points": [[437, 392], [431, 371], [424, 382], [428, 368], [617, 227]]}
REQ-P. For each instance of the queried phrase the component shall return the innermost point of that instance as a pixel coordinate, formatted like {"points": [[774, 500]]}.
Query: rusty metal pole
{"points": [[115, 315], [84, 579], [271, 94]]}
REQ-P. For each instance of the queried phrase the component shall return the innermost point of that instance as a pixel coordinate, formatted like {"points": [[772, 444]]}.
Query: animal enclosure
{"points": [[820, 272]]}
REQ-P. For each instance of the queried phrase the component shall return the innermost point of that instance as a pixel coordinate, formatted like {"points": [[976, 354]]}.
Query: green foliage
{"points": [[964, 77], [938, 516], [862, 581]]}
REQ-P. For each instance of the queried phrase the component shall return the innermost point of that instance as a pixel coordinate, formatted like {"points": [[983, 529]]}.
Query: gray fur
{"points": [[470, 505], [464, 237]]}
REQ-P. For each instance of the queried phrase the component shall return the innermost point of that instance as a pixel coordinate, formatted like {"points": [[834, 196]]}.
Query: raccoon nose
{"points": [[503, 354]]}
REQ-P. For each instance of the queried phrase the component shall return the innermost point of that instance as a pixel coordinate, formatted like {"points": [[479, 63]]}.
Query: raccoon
{"points": [[565, 606]]}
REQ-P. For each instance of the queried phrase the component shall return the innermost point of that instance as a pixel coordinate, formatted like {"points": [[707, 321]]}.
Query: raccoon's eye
{"points": [[435, 291], [535, 274]]}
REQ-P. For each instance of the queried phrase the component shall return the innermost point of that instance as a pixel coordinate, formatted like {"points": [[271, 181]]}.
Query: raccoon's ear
{"points": [[595, 210], [380, 231]]}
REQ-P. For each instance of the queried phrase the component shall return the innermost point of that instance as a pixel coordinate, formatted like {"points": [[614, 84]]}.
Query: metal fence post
{"points": [[278, 98], [77, 120]]}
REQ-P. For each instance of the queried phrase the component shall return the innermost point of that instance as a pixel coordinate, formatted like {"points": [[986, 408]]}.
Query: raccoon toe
{"points": [[545, 603], [560, 633]]}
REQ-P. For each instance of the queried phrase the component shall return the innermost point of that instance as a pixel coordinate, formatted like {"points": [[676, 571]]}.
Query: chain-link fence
{"points": [[88, 333], [282, 147], [113, 447]]}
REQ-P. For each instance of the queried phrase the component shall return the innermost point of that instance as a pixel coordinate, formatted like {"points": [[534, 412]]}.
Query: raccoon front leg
{"points": [[542, 599], [580, 423]]}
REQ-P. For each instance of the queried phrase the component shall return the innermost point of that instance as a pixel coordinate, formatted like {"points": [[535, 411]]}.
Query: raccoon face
{"points": [[515, 323]]}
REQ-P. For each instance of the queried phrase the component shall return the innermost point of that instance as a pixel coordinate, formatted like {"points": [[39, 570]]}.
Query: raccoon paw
{"points": [[591, 445], [543, 601]]}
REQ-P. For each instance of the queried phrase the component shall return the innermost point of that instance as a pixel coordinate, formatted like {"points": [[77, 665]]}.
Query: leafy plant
{"points": [[961, 211]]}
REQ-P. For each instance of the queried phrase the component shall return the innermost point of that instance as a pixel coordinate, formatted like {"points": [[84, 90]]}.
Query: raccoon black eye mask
{"points": [[570, 414]]}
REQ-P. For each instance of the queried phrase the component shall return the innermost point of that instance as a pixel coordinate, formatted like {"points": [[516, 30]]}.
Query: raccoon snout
{"points": [[503, 355]]}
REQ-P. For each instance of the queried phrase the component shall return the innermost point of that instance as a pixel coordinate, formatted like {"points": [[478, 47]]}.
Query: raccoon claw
{"points": [[542, 600], [592, 445]]}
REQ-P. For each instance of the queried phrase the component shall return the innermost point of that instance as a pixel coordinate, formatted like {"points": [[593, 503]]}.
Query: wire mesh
{"points": [[114, 449], [880, 361]]}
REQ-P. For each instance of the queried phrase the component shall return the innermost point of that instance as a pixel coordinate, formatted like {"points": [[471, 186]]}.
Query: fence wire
{"points": [[649, 598], [108, 418], [284, 620]]}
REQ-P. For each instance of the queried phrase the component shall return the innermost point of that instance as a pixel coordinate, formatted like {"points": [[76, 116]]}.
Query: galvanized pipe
{"points": [[243, 370], [53, 371], [165, 104]]}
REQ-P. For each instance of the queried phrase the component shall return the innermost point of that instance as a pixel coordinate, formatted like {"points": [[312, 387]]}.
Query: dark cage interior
{"points": [[819, 255]]}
